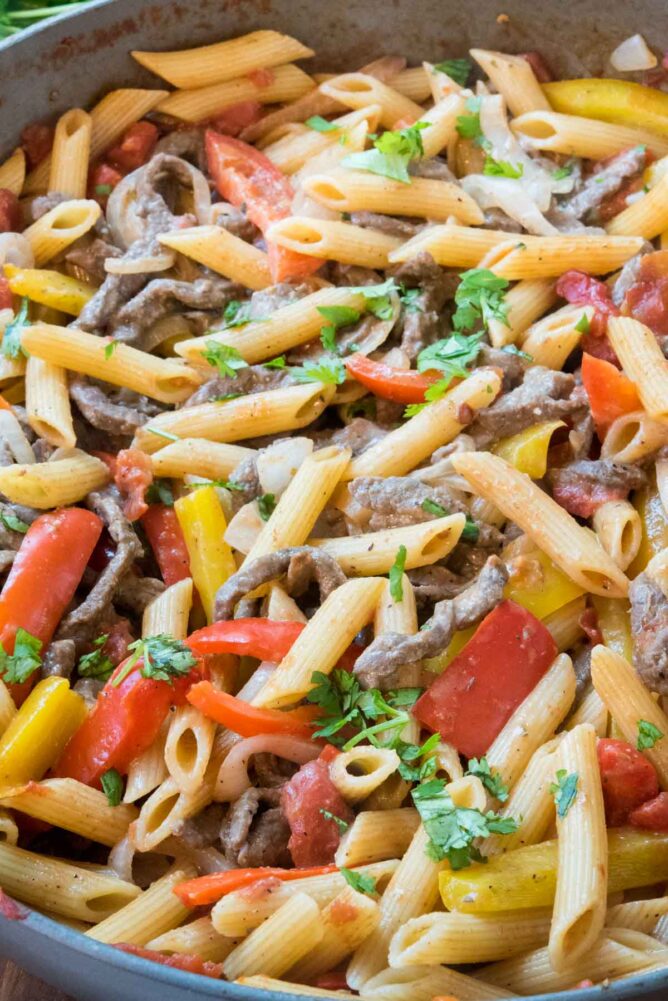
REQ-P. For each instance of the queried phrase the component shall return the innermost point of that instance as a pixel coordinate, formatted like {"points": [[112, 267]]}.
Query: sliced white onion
{"points": [[13, 435], [233, 778], [278, 463], [15, 249], [244, 528], [509, 195], [633, 54], [257, 680]]}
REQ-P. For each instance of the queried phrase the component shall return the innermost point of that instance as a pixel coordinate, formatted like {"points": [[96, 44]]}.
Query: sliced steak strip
{"points": [[582, 487], [649, 627], [544, 395], [251, 836], [119, 412], [421, 323]]}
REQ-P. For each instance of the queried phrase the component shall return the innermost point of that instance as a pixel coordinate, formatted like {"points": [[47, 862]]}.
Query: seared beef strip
{"points": [[421, 320], [649, 626], [252, 837], [605, 181], [582, 487], [117, 411], [254, 379]]}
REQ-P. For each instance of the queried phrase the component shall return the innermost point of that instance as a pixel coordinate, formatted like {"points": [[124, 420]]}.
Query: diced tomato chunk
{"points": [[231, 121], [583, 290], [647, 298], [627, 777], [6, 297], [652, 815], [37, 141], [133, 476], [10, 213], [134, 148], [314, 838], [102, 179], [583, 499]]}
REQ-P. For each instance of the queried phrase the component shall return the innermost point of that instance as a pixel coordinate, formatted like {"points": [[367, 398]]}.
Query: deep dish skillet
{"points": [[70, 62]]}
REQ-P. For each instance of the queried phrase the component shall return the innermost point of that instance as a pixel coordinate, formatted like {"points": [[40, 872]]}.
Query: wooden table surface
{"points": [[15, 985]]}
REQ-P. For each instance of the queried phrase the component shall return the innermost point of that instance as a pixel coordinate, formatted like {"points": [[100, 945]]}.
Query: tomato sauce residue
{"points": [[647, 298], [341, 912], [261, 77], [10, 909], [178, 960], [261, 888]]}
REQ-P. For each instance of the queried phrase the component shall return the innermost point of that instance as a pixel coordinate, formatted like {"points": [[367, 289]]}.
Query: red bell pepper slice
{"points": [[611, 393], [45, 574], [245, 176], [389, 383], [177, 960], [166, 540], [627, 777], [248, 720], [647, 298], [124, 721], [205, 890], [653, 815], [504, 660], [265, 639], [134, 147]]}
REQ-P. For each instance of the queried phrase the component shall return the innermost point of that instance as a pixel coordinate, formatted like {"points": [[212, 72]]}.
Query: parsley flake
{"points": [[583, 324], [410, 299], [564, 790], [458, 70], [109, 349], [266, 505], [14, 524], [337, 316], [223, 357], [320, 124], [225, 484], [479, 296], [501, 168], [359, 882], [392, 153], [512, 349], [11, 339], [160, 492], [342, 825], [164, 659], [237, 313], [163, 434], [491, 780], [345, 704], [112, 786], [329, 370], [562, 172], [452, 355], [377, 298], [15, 668], [396, 574], [432, 507], [409, 753], [278, 362], [468, 126], [103, 190], [96, 664], [648, 735]]}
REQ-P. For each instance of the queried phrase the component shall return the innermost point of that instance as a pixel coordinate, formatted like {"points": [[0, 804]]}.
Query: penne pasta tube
{"points": [[619, 529], [423, 983], [351, 191], [56, 483], [639, 915], [69, 891], [167, 807], [222, 61], [302, 502], [414, 83], [646, 217], [284, 938], [233, 420], [109, 119], [405, 448], [564, 624], [591, 710], [224, 253], [358, 772], [298, 149], [633, 436], [642, 360], [514, 79], [284, 986], [547, 256], [332, 240], [284, 83], [239, 912], [359, 90], [162, 379], [68, 172], [13, 172], [168, 613], [188, 747], [9, 831], [551, 340], [574, 549], [197, 938], [527, 877], [575, 136], [48, 403], [451, 246], [72, 806], [286, 328], [199, 457], [441, 121], [49, 288], [347, 921], [153, 912], [526, 302], [582, 846], [375, 552], [629, 702], [376, 835], [534, 721], [322, 643], [148, 770], [468, 938], [61, 226]]}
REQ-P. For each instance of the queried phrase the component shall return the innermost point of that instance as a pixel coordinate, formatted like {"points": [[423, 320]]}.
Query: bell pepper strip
{"points": [[124, 721], [187, 962], [37, 734], [203, 524], [538, 585], [527, 451], [652, 815], [399, 385], [205, 890], [265, 639], [654, 521], [134, 147], [50, 288], [618, 101], [611, 393], [10, 212], [646, 299], [628, 779], [166, 540], [248, 720], [245, 176], [470, 703], [133, 476]]}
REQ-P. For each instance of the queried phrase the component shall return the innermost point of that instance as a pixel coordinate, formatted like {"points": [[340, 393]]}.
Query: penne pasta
{"points": [[284, 83], [514, 79], [551, 340], [376, 835], [643, 361], [56, 483], [284, 938], [224, 253], [619, 529], [199, 457], [197, 938], [525, 303], [68, 170], [61, 226], [13, 172], [647, 217], [547, 256], [168, 613], [48, 403], [575, 136], [347, 921], [337, 241], [359, 90], [151, 913]]}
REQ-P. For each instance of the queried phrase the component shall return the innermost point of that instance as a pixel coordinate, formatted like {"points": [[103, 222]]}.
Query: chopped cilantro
{"points": [[329, 370], [470, 532], [648, 735], [103, 189], [11, 339], [377, 298], [278, 362], [266, 505], [433, 393], [365, 407], [223, 357], [564, 790], [164, 659], [512, 349], [109, 349], [479, 296], [491, 780], [96, 664], [237, 313], [320, 124], [501, 168], [342, 825], [392, 153], [468, 126], [225, 484], [409, 299], [112, 786], [408, 753], [160, 492], [562, 172], [359, 882], [163, 434], [17, 667], [337, 316], [13, 523], [458, 70], [583, 324], [452, 355], [432, 507], [226, 396], [396, 574]]}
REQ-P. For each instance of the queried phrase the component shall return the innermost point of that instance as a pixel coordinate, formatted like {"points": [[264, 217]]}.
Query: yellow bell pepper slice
{"points": [[654, 527], [615, 624], [50, 288], [527, 451], [203, 525], [442, 660], [36, 736], [544, 591], [617, 101]]}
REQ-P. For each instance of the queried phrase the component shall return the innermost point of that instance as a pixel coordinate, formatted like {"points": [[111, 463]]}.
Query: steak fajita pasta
{"points": [[334, 522]]}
